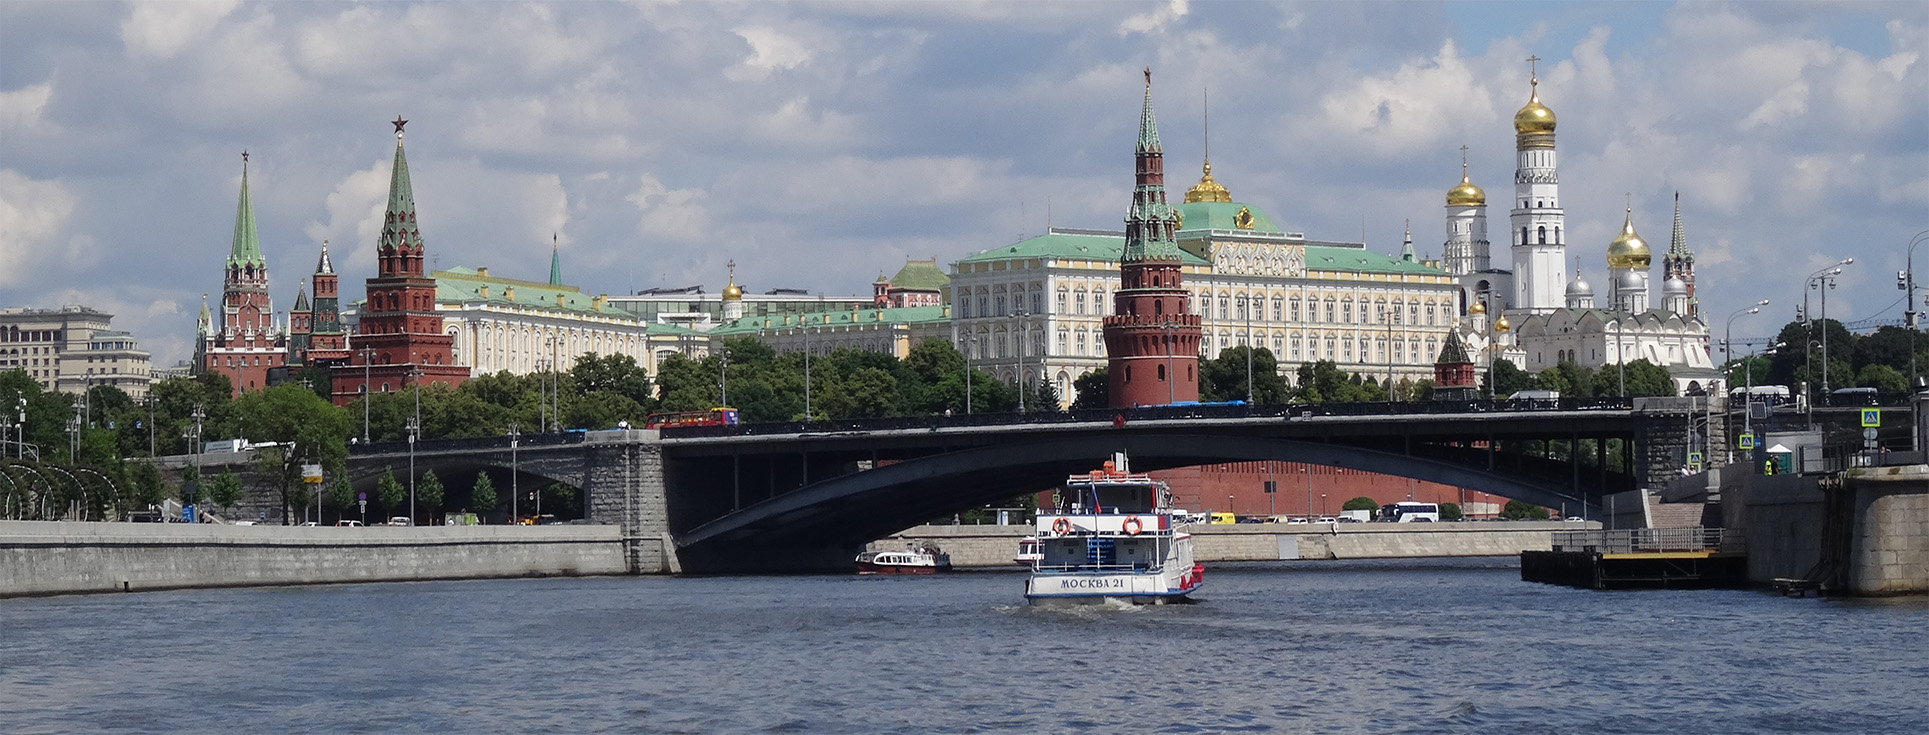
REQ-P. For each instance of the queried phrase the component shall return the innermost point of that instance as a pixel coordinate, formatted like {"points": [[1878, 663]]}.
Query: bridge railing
{"points": [[1649, 540], [1234, 409], [471, 443]]}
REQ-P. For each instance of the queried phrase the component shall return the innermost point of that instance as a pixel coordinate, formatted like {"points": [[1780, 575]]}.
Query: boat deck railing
{"points": [[1650, 540], [1071, 568]]}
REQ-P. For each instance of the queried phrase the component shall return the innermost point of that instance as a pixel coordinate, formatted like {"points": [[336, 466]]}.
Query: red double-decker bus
{"points": [[719, 416]]}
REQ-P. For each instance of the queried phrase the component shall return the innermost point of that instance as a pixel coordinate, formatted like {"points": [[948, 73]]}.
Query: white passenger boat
{"points": [[908, 561], [1028, 553], [1114, 536]]}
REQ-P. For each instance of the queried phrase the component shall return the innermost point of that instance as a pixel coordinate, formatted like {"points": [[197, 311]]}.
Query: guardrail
{"points": [[1234, 410], [1649, 540]]}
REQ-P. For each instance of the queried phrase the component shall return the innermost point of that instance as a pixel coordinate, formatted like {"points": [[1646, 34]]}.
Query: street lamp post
{"points": [[1821, 280], [368, 356], [808, 414], [1171, 375], [1245, 310], [1024, 344], [971, 342], [515, 487], [415, 429], [1307, 470], [1907, 282]]}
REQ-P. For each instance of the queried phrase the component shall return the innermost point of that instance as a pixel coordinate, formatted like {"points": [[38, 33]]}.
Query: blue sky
{"points": [[819, 144]]}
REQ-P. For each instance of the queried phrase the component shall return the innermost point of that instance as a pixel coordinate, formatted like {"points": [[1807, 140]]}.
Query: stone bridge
{"points": [[805, 497]]}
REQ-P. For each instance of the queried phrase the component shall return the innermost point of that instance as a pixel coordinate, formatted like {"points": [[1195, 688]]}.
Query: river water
{"points": [[1412, 646]]}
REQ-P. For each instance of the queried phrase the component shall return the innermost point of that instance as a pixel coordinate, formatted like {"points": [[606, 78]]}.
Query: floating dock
{"points": [[1640, 558]]}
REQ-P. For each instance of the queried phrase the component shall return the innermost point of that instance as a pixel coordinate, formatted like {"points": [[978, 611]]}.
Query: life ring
{"points": [[1133, 526], [1062, 526]]}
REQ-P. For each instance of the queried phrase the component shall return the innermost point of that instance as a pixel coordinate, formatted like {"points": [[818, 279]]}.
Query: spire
{"points": [[400, 248], [1406, 250], [247, 244], [555, 262], [206, 322], [1208, 190], [1678, 242], [301, 298], [1148, 125], [324, 265]]}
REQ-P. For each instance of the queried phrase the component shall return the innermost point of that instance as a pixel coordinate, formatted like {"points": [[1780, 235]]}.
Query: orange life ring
{"points": [[1062, 526], [1133, 526]]}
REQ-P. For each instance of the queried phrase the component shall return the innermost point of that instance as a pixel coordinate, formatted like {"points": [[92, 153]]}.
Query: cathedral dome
{"points": [[1674, 286], [1466, 194], [1501, 325], [1579, 287], [1477, 308], [1628, 250], [1208, 190], [1632, 281], [1534, 117], [732, 292]]}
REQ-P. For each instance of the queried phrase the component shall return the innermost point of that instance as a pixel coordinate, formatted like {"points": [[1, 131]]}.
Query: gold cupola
{"points": [[1534, 124], [1466, 194], [1501, 324], [1628, 250], [733, 292], [1208, 190], [1477, 308]]}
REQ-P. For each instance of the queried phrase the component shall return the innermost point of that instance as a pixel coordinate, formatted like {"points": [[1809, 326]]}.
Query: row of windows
{"points": [[15, 334], [1227, 306]]}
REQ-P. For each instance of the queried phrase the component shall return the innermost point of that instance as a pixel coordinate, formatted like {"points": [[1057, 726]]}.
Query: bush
{"points": [[1450, 512], [1519, 511], [1361, 503]]}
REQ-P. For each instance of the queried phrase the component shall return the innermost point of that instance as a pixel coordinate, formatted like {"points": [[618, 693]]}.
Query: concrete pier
{"points": [[986, 546], [49, 558]]}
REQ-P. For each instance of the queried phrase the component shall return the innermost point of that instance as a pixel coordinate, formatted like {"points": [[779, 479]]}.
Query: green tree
{"points": [[146, 487], [306, 430], [1644, 379], [1883, 378], [1361, 503], [615, 374], [190, 487], [1224, 378], [429, 493], [1516, 510], [1450, 512], [390, 493], [341, 493], [225, 490], [483, 494], [1090, 389], [1505, 379]]}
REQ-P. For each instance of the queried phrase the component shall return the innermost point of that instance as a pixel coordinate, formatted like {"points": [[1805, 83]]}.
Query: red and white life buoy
{"points": [[1062, 526], [1133, 526]]}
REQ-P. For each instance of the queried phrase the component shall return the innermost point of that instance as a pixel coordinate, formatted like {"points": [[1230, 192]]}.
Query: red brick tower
{"points": [[327, 343], [400, 337], [1151, 338], [246, 344]]}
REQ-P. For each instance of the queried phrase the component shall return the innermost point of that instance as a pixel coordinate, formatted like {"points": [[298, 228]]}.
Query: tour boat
{"points": [[1028, 553], [1114, 536], [908, 561]]}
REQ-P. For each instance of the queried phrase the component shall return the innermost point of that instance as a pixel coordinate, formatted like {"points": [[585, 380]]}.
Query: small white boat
{"points": [[908, 561], [1114, 536], [1028, 553]]}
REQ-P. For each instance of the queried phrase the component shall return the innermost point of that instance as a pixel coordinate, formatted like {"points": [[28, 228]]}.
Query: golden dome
{"points": [[1208, 190], [1629, 250], [1501, 325], [1466, 194], [1535, 117], [1477, 308]]}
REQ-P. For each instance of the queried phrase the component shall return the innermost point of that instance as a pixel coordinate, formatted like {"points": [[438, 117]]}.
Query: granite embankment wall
{"points": [[45, 558], [982, 546]]}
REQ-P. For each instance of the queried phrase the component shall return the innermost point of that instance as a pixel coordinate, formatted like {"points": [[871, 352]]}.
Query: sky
{"points": [[818, 145]]}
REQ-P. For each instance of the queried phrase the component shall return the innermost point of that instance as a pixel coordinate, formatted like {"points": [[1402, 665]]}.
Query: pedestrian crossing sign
{"points": [[1746, 441], [1871, 418]]}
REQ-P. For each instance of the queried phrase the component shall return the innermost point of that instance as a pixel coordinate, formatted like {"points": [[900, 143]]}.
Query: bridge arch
{"points": [[858, 507]]}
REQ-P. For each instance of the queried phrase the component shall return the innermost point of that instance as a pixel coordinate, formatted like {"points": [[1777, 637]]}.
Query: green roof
{"points": [[920, 275], [1069, 244], [1222, 216], [247, 243], [464, 285], [904, 315], [1360, 260]]}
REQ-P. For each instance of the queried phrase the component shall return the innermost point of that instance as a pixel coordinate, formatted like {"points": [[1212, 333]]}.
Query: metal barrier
{"points": [[1649, 540]]}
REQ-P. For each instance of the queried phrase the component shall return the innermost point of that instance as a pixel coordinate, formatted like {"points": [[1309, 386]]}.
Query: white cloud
{"points": [[670, 214], [32, 216], [22, 110], [770, 52], [1415, 107], [1155, 19], [354, 223], [164, 29]]}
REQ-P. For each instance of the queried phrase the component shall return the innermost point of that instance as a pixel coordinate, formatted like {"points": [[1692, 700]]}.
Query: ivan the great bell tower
{"points": [[1151, 338]]}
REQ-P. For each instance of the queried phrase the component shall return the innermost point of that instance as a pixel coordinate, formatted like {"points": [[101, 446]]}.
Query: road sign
{"points": [[1871, 418], [362, 497], [1694, 458], [1745, 441]]}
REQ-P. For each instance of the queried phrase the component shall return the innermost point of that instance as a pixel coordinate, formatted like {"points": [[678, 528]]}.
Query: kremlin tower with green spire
{"points": [[246, 344], [399, 340], [1151, 338]]}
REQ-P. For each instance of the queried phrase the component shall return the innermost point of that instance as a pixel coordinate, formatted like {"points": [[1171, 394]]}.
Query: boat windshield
{"points": [[1110, 497]]}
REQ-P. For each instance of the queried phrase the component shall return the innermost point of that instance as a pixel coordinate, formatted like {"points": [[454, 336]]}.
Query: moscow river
{"points": [[1416, 646]]}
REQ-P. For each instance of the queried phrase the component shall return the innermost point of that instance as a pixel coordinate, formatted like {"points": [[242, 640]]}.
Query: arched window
{"points": [[1543, 235], [1162, 373], [1523, 230]]}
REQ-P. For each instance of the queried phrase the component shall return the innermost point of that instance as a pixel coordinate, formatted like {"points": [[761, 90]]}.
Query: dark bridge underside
{"points": [[820, 526]]}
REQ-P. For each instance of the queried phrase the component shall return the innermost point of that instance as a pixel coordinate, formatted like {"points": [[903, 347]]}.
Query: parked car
{"points": [[309, 524], [348, 524], [399, 521]]}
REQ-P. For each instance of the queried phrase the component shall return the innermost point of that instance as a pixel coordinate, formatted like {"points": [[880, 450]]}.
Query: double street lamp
{"points": [[415, 429], [1822, 280]]}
